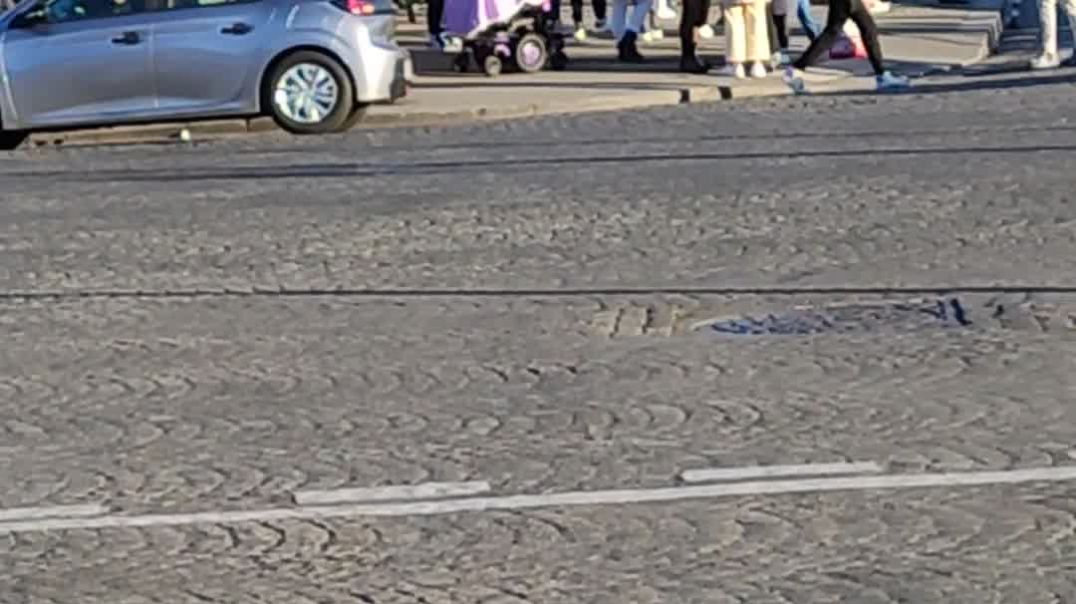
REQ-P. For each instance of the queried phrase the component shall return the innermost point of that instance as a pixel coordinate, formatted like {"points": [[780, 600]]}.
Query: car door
{"points": [[80, 61], [208, 53]]}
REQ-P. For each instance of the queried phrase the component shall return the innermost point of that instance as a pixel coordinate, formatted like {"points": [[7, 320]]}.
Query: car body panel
{"points": [[209, 58], [187, 66], [72, 72]]}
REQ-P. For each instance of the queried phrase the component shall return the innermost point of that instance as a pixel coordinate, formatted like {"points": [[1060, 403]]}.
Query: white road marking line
{"points": [[52, 511], [567, 499], [426, 490], [780, 471]]}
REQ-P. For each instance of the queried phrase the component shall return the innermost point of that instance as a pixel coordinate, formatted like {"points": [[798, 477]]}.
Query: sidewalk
{"points": [[918, 38]]}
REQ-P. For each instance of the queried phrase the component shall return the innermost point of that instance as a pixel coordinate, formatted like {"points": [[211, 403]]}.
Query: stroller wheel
{"points": [[559, 61], [492, 65], [531, 53]]}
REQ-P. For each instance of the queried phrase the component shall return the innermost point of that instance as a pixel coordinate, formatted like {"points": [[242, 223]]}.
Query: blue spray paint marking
{"points": [[938, 314]]}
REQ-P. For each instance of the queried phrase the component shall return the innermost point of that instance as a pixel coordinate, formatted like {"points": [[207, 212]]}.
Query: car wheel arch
{"points": [[280, 56]]}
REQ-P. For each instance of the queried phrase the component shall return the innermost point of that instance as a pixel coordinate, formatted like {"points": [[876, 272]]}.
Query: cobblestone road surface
{"points": [[217, 327]]}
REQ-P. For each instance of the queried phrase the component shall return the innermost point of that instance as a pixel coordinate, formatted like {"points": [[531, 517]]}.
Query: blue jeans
{"points": [[803, 12]]}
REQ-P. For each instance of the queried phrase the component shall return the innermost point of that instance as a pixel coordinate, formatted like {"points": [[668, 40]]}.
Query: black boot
{"points": [[691, 63], [627, 51]]}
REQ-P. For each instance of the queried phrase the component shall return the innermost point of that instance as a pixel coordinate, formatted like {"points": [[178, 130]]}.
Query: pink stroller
{"points": [[505, 33]]}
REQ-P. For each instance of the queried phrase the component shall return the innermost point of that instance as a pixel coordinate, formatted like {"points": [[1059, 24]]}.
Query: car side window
{"points": [[65, 11], [170, 5]]}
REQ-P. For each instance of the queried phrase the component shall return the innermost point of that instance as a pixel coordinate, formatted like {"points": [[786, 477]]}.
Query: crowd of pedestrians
{"points": [[756, 32]]}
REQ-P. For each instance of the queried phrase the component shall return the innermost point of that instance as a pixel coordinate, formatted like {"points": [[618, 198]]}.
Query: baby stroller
{"points": [[517, 34]]}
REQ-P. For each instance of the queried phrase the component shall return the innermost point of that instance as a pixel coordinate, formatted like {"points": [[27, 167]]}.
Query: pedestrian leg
{"points": [[693, 16], [435, 11], [599, 13], [838, 14], [780, 22], [627, 46], [868, 31], [618, 21], [807, 22], [756, 21], [735, 40], [1070, 10], [639, 13], [577, 13], [771, 30], [1049, 57]]}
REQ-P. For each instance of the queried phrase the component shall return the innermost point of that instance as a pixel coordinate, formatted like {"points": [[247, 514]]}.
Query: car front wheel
{"points": [[310, 93]]}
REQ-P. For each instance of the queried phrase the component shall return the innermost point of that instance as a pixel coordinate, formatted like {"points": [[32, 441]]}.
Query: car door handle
{"points": [[129, 38], [237, 29]]}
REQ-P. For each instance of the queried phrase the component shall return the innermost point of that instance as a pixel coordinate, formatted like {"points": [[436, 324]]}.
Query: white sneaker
{"points": [[794, 81], [706, 32], [733, 71], [1046, 61], [580, 34], [888, 81], [758, 70]]}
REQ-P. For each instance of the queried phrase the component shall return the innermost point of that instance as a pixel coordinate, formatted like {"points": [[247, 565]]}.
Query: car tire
{"points": [[313, 114], [352, 120], [11, 139]]}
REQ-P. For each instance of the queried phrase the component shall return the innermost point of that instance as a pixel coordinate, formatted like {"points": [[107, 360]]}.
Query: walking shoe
{"points": [[888, 81], [780, 59], [446, 43], [580, 33], [693, 64], [627, 51], [1048, 60], [706, 32], [600, 25], [758, 70], [733, 70], [794, 81]]}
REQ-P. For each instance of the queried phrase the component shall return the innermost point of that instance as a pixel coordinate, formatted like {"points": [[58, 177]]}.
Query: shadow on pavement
{"points": [[981, 82]]}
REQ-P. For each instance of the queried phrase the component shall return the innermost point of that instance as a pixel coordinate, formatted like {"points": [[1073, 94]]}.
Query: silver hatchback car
{"points": [[313, 65]]}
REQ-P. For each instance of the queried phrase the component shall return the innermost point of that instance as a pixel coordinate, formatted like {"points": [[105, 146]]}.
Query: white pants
{"points": [[1048, 22], [619, 24]]}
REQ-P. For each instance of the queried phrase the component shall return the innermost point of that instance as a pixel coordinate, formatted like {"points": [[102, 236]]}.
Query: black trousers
{"points": [[694, 15], [577, 10], [839, 12], [435, 11]]}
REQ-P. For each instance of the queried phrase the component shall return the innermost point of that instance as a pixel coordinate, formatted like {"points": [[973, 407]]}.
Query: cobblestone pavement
{"points": [[219, 326]]}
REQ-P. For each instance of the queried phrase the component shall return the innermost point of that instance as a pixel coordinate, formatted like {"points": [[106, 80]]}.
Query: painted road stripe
{"points": [[426, 490], [52, 511], [567, 499], [781, 471]]}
